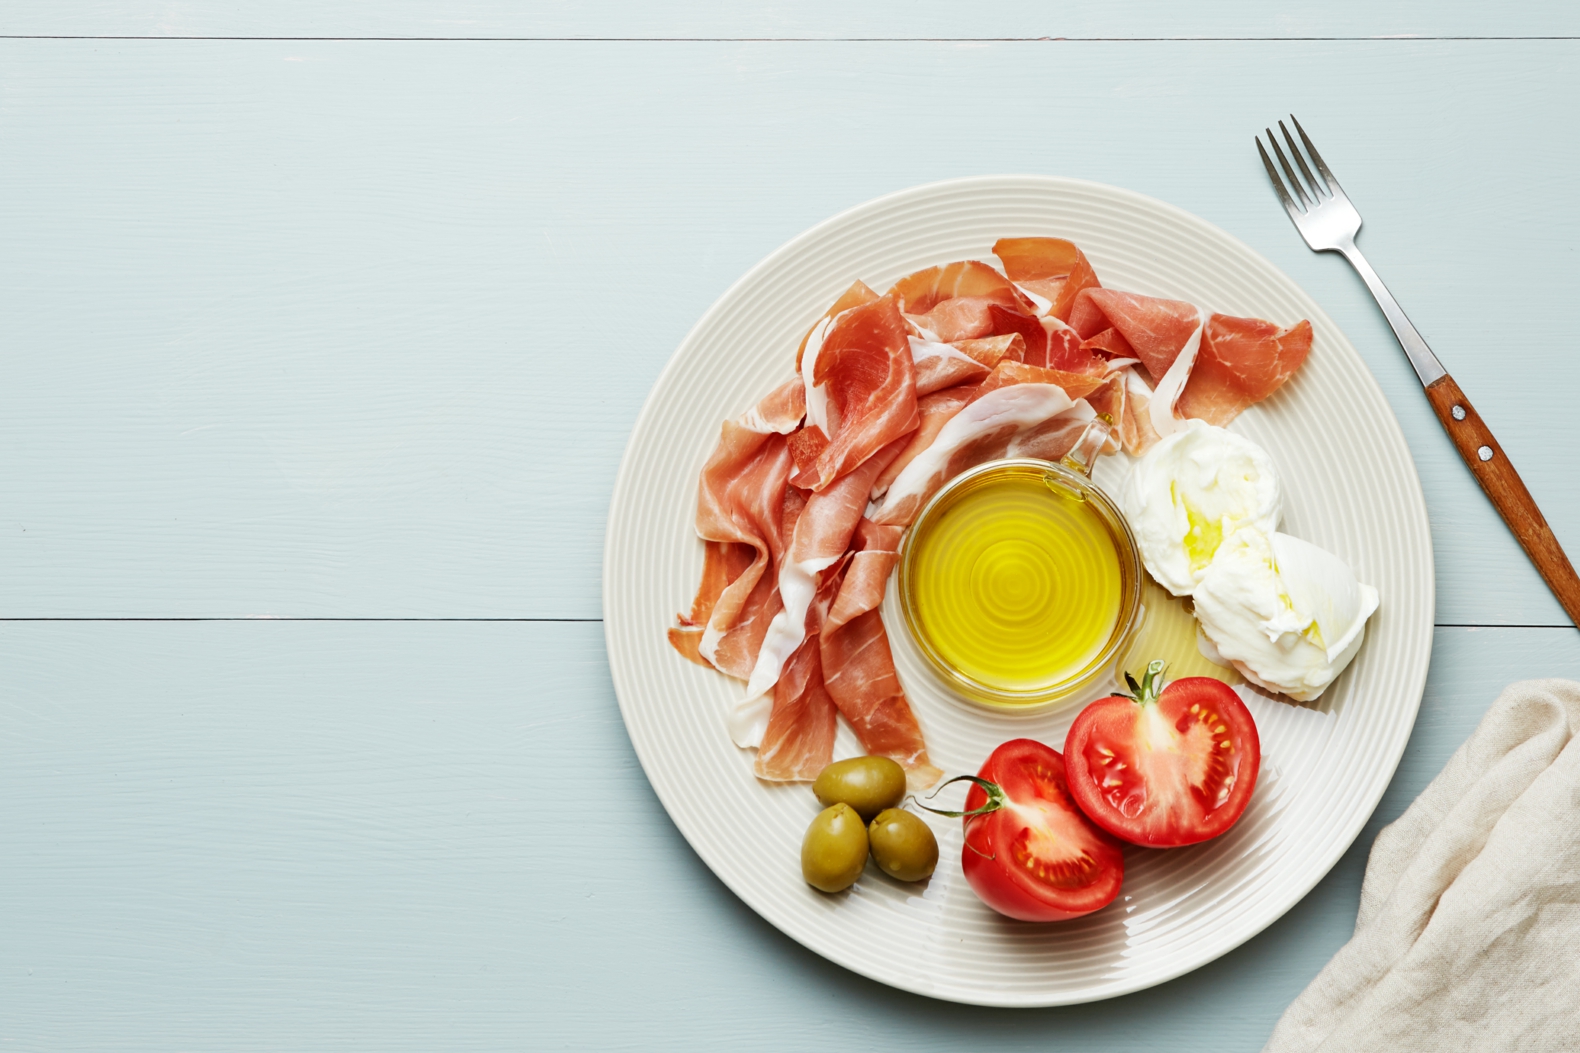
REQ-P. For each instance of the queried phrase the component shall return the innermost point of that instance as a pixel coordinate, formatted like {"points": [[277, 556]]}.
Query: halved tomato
{"points": [[1169, 766], [1029, 851]]}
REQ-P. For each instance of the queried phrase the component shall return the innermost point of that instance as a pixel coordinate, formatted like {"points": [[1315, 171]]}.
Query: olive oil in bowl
{"points": [[1020, 582]]}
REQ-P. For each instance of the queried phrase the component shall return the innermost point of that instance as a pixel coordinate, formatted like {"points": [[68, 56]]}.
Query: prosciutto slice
{"points": [[820, 536], [972, 301], [992, 350], [954, 302], [1052, 344], [798, 741], [861, 678], [935, 410], [1051, 271], [722, 563], [741, 510], [1108, 342], [1242, 360], [1034, 336], [1126, 399], [1046, 341], [861, 392], [940, 365], [855, 296], [1208, 366], [1036, 419], [1075, 385], [1154, 329], [779, 412]]}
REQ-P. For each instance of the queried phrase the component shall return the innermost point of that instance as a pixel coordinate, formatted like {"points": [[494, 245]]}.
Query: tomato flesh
{"points": [[1174, 771], [1037, 858]]}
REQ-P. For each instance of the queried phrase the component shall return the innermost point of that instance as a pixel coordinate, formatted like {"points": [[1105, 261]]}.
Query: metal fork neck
{"points": [[1426, 365]]}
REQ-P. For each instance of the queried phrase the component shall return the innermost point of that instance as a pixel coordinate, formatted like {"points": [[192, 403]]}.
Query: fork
{"points": [[1322, 212]]}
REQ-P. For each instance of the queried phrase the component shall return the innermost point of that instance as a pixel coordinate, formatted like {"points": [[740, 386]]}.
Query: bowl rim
{"points": [[964, 687]]}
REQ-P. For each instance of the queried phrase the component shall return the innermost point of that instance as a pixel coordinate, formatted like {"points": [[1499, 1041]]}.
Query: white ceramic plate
{"points": [[1350, 487]]}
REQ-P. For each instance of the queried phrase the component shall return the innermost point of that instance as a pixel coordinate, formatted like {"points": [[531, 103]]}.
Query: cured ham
{"points": [[723, 562], [938, 408], [779, 413], [953, 302], [935, 410], [1127, 401], [1109, 342], [802, 506], [860, 388], [741, 510], [1060, 347], [1034, 337], [1051, 270], [798, 741], [855, 296], [1025, 419], [940, 365], [1164, 335], [820, 535], [855, 648], [1076, 385], [971, 301], [1242, 361], [867, 690], [1205, 366], [1153, 329]]}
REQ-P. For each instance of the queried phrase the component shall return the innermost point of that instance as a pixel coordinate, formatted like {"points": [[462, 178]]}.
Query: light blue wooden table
{"points": [[322, 328]]}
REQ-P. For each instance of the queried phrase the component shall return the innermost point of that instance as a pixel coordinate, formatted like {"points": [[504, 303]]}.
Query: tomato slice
{"points": [[1037, 857], [1165, 768]]}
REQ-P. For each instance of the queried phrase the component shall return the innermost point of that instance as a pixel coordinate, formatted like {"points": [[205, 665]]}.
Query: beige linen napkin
{"points": [[1468, 935]]}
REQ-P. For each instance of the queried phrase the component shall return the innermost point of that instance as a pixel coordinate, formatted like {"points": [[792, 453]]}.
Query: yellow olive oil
{"points": [[1017, 581]]}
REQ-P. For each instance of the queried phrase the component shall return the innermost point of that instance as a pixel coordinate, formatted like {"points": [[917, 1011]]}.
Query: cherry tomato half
{"points": [[1035, 856], [1165, 768]]}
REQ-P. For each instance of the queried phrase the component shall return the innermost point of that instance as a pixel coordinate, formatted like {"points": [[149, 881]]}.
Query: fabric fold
{"points": [[1468, 934]]}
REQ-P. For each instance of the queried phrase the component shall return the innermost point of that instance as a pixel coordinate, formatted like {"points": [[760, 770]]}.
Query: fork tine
{"points": [[1278, 184], [1294, 180], [1322, 166], [1317, 186]]}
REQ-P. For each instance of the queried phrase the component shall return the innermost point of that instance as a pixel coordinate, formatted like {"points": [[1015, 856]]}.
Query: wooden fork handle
{"points": [[1507, 491]]}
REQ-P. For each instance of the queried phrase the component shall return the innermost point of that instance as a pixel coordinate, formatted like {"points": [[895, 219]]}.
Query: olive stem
{"points": [[995, 798]]}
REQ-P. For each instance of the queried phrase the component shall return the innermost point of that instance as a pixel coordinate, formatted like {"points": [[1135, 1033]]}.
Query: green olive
{"points": [[867, 784], [834, 850], [903, 845]]}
